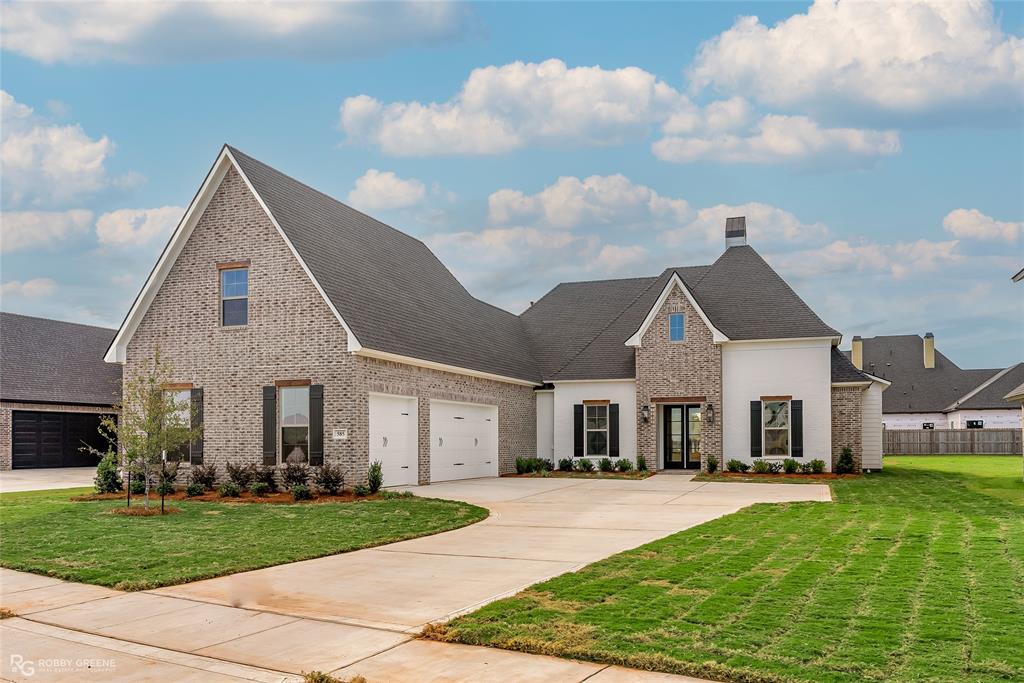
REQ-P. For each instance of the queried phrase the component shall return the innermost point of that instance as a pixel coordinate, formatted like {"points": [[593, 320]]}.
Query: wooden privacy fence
{"points": [[952, 441]]}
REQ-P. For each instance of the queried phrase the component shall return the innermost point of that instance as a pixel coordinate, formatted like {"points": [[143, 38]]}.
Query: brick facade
{"points": [[6, 425], [692, 367], [847, 423], [291, 334]]}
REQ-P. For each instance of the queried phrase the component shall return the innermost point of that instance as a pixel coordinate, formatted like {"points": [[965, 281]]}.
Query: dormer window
{"points": [[234, 297], [677, 327]]}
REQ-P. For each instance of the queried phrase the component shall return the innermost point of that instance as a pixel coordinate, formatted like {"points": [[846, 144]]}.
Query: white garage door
{"points": [[393, 440], [463, 441]]}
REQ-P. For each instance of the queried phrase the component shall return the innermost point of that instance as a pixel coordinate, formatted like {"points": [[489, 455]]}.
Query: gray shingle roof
{"points": [[916, 389], [1016, 394], [843, 370], [388, 286], [994, 395], [49, 361]]}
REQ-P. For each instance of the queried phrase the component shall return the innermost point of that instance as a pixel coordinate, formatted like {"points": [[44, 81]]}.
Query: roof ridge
{"points": [[62, 322], [984, 385]]}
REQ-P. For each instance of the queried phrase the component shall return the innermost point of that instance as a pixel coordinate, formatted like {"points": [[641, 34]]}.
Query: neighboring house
{"points": [[54, 386], [929, 391], [306, 331]]}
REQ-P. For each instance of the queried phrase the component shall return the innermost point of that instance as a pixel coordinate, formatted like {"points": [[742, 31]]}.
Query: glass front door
{"points": [[693, 437], [681, 437]]}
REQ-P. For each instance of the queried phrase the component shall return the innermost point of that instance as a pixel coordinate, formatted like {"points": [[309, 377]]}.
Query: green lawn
{"points": [[915, 573], [47, 533]]}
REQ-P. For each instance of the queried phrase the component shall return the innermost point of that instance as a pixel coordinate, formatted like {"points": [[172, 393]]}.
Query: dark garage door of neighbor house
{"points": [[48, 439]]}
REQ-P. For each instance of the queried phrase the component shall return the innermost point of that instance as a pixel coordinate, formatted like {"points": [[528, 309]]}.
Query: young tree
{"points": [[151, 423]]}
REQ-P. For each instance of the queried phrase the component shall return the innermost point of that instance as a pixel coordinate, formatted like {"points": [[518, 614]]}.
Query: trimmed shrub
{"points": [[585, 465], [295, 474], [301, 492], [624, 465], [845, 464], [565, 464], [241, 475], [375, 477], [361, 490], [138, 486], [774, 467], [194, 489], [805, 468], [817, 466], [204, 475], [735, 465], [165, 487], [259, 488], [229, 489], [790, 466], [711, 464], [108, 479], [605, 465], [641, 463], [265, 475], [525, 465], [762, 466], [330, 479], [545, 465]]}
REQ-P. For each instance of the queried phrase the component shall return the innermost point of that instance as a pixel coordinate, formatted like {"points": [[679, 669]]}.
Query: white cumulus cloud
{"points": [[768, 227], [899, 259], [31, 229], [36, 288], [164, 31], [900, 57], [135, 227], [384, 190], [973, 224]]}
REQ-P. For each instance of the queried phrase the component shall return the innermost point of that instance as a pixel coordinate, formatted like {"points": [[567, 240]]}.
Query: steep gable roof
{"points": [[993, 393], [843, 370], [51, 361]]}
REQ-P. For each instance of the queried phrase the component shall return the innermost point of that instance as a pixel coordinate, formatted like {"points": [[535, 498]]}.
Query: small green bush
{"points": [[361, 490], [817, 466], [774, 467], [545, 465], [845, 464], [330, 479], [194, 489], [259, 488], [108, 479], [204, 475], [624, 465], [565, 464], [735, 465], [641, 463], [762, 466], [301, 492], [295, 474], [375, 477], [585, 465], [805, 468], [266, 476], [605, 465], [138, 486], [241, 475], [229, 489], [165, 487], [790, 466], [712, 464]]}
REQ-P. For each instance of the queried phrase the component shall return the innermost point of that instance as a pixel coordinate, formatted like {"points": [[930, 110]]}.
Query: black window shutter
{"points": [[270, 426], [577, 431], [316, 424], [613, 430], [197, 422], [755, 429], [796, 427]]}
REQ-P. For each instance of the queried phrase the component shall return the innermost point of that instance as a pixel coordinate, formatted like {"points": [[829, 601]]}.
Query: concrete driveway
{"points": [[46, 478], [357, 613]]}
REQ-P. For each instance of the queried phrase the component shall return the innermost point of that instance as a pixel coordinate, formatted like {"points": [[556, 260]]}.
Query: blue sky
{"points": [[877, 150]]}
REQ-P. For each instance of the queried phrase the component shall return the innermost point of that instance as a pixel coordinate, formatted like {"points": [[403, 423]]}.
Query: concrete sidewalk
{"points": [[358, 613]]}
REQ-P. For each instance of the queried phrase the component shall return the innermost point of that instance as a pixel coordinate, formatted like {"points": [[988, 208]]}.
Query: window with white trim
{"points": [[234, 297], [597, 430], [677, 327], [776, 428], [294, 424]]}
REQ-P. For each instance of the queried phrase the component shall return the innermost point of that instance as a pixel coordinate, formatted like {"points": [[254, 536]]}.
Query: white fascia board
{"points": [[432, 365], [851, 384], [591, 381], [675, 281], [116, 352]]}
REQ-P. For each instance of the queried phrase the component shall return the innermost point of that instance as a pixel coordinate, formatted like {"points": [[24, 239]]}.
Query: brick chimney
{"points": [[857, 353], [735, 231], [929, 350]]}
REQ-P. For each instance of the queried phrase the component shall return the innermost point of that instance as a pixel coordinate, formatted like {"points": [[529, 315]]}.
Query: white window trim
{"points": [[187, 457], [670, 316], [281, 426], [587, 430], [789, 431], [223, 297]]}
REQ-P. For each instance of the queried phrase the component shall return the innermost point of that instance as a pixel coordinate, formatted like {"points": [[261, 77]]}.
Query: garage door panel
{"points": [[462, 442], [393, 438], [53, 439]]}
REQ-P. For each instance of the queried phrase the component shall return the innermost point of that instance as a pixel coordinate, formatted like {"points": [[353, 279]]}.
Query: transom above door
{"points": [[681, 436]]}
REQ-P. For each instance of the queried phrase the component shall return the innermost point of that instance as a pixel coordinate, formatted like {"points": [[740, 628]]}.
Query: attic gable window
{"points": [[234, 297], [677, 327]]}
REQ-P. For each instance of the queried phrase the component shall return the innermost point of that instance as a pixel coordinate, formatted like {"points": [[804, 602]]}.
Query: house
{"points": [[306, 331], [54, 387], [929, 391]]}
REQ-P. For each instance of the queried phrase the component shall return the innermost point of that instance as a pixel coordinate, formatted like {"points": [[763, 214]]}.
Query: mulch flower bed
{"points": [[278, 497], [562, 474], [777, 475]]}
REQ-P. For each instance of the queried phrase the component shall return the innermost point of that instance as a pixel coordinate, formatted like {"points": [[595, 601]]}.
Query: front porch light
{"points": [[645, 413], [710, 413]]}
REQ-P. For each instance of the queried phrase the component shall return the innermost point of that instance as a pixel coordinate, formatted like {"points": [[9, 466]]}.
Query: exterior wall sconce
{"points": [[709, 412], [645, 414]]}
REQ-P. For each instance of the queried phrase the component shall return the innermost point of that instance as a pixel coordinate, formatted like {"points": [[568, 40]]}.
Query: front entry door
{"points": [[681, 437]]}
